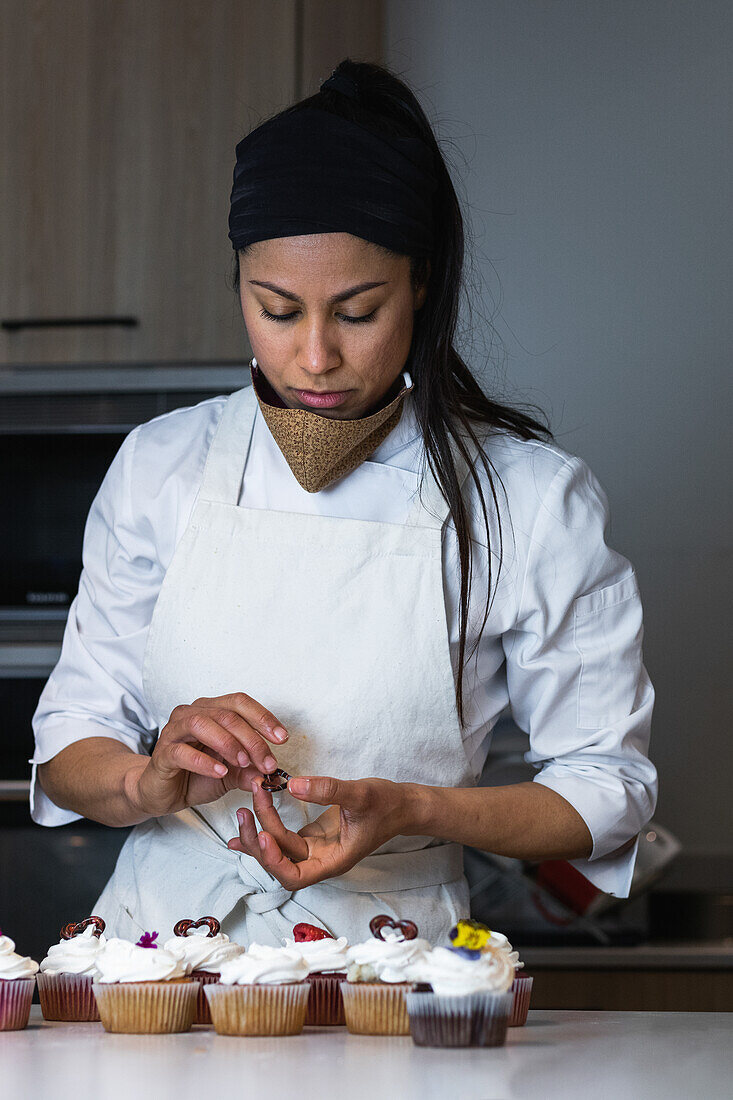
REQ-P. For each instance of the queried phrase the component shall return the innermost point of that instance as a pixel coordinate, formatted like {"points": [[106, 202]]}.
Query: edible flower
{"points": [[471, 934], [148, 940]]}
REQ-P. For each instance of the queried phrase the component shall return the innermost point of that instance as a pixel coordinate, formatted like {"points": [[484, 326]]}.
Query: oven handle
{"points": [[14, 790]]}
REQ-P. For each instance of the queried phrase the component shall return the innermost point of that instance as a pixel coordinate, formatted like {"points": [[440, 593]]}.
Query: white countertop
{"points": [[588, 1055]]}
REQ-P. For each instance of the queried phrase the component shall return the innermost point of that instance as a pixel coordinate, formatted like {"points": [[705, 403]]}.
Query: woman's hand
{"points": [[204, 750], [362, 815]]}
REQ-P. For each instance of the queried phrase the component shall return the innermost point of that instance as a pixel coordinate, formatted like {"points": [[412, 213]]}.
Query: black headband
{"points": [[312, 171]]}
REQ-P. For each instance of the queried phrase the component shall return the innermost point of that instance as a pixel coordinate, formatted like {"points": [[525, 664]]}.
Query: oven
{"points": [[59, 431]]}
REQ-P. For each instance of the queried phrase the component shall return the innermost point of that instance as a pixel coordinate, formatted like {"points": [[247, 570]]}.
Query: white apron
{"points": [[338, 627]]}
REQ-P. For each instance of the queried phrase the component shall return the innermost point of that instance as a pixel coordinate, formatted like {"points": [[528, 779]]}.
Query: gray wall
{"points": [[594, 140]]}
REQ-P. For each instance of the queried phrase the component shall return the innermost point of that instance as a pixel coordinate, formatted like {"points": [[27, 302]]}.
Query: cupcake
{"points": [[68, 971], [202, 947], [327, 960], [470, 1003], [142, 988], [381, 971], [261, 992], [473, 934], [17, 980]]}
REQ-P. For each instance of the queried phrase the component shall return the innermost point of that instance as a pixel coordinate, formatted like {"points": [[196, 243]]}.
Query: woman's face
{"points": [[317, 287]]}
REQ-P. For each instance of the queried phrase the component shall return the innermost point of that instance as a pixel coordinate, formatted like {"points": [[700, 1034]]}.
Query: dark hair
{"points": [[447, 399]]}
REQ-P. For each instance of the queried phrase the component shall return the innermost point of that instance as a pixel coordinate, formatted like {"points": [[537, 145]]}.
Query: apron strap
{"points": [[227, 457]]}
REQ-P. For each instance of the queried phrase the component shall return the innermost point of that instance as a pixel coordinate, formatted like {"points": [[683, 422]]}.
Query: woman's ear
{"points": [[422, 290]]}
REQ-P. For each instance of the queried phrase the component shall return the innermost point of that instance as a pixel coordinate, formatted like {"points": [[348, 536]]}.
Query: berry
{"points": [[307, 933]]}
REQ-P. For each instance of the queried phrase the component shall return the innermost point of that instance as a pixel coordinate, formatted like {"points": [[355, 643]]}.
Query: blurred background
{"points": [[590, 143]]}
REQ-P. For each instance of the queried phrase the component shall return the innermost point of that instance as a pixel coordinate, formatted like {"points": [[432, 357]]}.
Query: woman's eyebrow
{"points": [[341, 297]]}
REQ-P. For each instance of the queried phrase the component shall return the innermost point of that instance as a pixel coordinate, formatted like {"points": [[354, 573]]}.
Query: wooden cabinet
{"points": [[119, 121]]}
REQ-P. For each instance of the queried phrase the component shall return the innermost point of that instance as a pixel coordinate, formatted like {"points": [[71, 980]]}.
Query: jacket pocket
{"points": [[607, 631]]}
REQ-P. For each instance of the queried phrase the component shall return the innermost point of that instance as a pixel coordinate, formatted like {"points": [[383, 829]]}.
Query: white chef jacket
{"points": [[561, 647]]}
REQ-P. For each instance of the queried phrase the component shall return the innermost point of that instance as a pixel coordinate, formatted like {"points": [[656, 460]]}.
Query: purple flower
{"points": [[466, 952], [148, 940]]}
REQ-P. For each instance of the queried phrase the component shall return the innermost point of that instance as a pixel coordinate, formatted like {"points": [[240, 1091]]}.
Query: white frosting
{"points": [[323, 956], [499, 940], [75, 956], [122, 961], [453, 974], [262, 965], [13, 965], [391, 960], [199, 951]]}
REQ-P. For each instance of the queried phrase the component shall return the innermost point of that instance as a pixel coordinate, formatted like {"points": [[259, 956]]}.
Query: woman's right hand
{"points": [[206, 749]]}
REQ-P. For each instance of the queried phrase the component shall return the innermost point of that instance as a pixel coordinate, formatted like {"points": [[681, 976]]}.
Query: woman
{"points": [[290, 578]]}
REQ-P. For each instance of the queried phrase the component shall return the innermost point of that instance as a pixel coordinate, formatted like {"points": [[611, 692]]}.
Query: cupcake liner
{"points": [[258, 1009], [205, 977], [67, 997], [146, 1008], [474, 1020], [325, 1003], [16, 995], [522, 990], [376, 1008]]}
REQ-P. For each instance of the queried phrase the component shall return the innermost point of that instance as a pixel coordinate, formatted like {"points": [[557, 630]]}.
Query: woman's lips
{"points": [[322, 400]]}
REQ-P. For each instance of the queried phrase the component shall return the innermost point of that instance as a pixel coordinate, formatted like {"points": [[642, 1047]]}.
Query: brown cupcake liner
{"points": [[522, 990], [206, 977], [16, 995], [147, 1008], [474, 1020], [325, 1003], [376, 1008], [67, 997], [258, 1009]]}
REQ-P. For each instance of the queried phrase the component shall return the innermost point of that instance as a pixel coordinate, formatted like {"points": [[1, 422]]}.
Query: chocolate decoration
{"points": [[408, 928], [184, 926], [74, 929], [275, 781]]}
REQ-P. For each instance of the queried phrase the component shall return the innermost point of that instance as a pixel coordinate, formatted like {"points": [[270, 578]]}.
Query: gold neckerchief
{"points": [[318, 450]]}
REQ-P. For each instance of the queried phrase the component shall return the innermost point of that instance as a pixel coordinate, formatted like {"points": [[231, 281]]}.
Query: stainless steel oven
{"points": [[59, 430]]}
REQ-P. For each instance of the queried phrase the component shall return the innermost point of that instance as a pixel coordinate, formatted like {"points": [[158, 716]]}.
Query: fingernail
{"points": [[242, 759], [270, 763], [300, 785], [240, 816], [261, 840], [280, 734], [220, 769]]}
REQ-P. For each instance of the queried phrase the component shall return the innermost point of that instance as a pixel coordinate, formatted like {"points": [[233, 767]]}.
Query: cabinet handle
{"points": [[13, 324]]}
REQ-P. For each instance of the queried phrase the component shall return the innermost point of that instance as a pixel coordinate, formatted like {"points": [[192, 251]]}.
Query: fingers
{"points": [[222, 730], [323, 790], [291, 843], [259, 718], [185, 757]]}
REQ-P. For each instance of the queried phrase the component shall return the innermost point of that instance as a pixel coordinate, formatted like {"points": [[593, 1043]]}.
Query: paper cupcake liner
{"points": [[474, 1020], [147, 1008], [325, 1004], [258, 1009], [16, 995], [206, 977], [522, 990], [376, 1008], [66, 997]]}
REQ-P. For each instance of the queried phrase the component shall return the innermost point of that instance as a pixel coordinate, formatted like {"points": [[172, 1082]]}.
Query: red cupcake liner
{"points": [[16, 995], [522, 990], [206, 977], [67, 997], [325, 1002]]}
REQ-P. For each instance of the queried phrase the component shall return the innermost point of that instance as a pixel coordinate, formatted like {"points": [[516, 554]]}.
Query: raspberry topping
{"points": [[307, 933]]}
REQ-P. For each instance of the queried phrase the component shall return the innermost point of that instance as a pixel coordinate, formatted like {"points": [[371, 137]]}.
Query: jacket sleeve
{"points": [[575, 674], [95, 690]]}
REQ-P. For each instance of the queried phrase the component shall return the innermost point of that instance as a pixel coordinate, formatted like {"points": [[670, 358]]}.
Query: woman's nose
{"points": [[318, 351]]}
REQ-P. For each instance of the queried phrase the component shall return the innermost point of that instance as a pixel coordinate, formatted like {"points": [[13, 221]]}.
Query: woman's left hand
{"points": [[362, 815]]}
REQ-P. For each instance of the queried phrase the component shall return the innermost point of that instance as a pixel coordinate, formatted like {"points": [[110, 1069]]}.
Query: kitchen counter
{"points": [[705, 955], [606, 1055]]}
